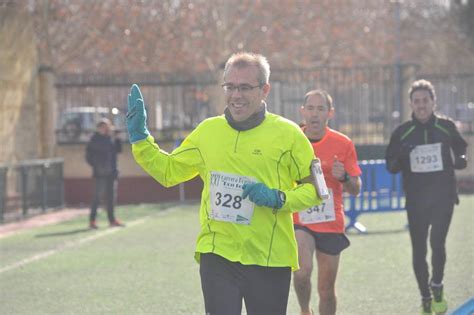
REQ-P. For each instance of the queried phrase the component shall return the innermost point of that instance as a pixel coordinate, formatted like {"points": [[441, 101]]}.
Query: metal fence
{"points": [[380, 192], [364, 97], [455, 98], [368, 108], [175, 103], [3, 190], [31, 187]]}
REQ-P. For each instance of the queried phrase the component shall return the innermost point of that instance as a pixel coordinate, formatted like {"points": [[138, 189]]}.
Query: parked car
{"points": [[77, 124]]}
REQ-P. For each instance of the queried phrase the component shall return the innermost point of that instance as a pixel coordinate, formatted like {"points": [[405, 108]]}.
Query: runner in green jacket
{"points": [[252, 164]]}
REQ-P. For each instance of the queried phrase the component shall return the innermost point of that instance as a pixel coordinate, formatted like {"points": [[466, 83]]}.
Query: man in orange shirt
{"points": [[321, 229]]}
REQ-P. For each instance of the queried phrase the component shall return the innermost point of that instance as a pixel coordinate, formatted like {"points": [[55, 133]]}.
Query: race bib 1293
{"points": [[426, 158]]}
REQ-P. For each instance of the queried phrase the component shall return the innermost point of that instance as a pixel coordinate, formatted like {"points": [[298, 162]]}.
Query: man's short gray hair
{"points": [[323, 93], [246, 59]]}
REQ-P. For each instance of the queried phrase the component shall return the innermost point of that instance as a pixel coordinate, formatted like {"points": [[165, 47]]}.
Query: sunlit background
{"points": [[66, 63]]}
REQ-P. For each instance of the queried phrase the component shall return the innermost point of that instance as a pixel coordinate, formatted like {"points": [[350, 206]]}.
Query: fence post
{"points": [[61, 178], [3, 191], [24, 189], [44, 187]]}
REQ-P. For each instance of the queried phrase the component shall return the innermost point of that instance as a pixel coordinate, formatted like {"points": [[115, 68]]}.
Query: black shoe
{"points": [[437, 292], [440, 305], [426, 307]]}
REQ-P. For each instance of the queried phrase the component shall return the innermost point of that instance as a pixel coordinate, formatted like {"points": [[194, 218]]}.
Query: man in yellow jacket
{"points": [[254, 166]]}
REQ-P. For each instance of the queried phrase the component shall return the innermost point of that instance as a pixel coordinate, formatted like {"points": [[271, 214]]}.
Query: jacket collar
{"points": [[431, 121], [253, 121]]}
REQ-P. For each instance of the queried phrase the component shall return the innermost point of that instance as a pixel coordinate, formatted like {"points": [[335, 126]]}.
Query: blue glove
{"points": [[136, 116], [261, 195]]}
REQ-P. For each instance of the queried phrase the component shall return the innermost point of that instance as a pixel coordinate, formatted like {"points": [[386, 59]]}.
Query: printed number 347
{"points": [[316, 209]]}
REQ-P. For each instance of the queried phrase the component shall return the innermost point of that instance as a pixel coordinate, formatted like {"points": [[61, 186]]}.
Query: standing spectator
{"points": [[320, 229], [252, 164], [423, 150], [101, 155]]}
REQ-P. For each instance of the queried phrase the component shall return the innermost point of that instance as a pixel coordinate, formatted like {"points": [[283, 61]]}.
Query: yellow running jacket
{"points": [[276, 153]]}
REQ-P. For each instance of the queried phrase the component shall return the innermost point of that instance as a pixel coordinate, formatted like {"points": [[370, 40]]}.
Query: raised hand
{"points": [[136, 116], [338, 170]]}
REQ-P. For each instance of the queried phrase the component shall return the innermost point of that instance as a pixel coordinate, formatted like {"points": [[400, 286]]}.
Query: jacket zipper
{"points": [[236, 141]]}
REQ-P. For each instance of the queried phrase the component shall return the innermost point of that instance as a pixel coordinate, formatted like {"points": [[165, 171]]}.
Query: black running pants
{"points": [[420, 219], [224, 284]]}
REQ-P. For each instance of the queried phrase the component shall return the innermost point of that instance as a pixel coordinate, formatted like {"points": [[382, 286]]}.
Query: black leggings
{"points": [[420, 218], [224, 284]]}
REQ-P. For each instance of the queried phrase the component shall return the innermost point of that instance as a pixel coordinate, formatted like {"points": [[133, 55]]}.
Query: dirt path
{"points": [[41, 220]]}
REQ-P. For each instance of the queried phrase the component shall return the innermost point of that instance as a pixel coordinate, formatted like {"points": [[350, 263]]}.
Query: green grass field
{"points": [[148, 267]]}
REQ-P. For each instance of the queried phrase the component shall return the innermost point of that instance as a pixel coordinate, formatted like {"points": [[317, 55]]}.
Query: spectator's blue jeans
{"points": [[105, 190]]}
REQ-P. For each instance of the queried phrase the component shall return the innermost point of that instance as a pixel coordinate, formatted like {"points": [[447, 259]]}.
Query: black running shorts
{"points": [[327, 243]]}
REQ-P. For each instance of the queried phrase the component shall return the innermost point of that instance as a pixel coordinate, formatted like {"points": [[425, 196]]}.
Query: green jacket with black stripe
{"points": [[435, 188], [276, 153]]}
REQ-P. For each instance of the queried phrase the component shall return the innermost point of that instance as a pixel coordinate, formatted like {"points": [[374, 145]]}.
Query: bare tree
{"points": [[123, 36]]}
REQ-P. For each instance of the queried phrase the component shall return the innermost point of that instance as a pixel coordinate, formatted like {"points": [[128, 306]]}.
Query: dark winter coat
{"points": [[101, 155]]}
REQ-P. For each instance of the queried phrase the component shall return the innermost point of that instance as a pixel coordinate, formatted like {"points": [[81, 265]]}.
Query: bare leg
{"points": [[302, 277], [327, 272]]}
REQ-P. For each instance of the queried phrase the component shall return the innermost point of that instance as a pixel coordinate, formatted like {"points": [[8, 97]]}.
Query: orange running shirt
{"points": [[333, 144]]}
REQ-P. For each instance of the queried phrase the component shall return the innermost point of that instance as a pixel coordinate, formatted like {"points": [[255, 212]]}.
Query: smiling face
{"points": [[316, 114], [242, 104], [422, 105]]}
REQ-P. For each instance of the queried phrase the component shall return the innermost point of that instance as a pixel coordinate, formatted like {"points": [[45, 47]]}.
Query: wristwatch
{"points": [[345, 179], [282, 196]]}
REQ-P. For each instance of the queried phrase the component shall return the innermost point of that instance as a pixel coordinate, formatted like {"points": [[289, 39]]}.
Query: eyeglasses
{"points": [[242, 88]]}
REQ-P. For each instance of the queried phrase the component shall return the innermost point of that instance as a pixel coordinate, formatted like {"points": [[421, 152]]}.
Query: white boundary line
{"points": [[67, 245]]}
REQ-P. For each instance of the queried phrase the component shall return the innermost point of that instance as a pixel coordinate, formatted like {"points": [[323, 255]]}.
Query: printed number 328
{"points": [[228, 201]]}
